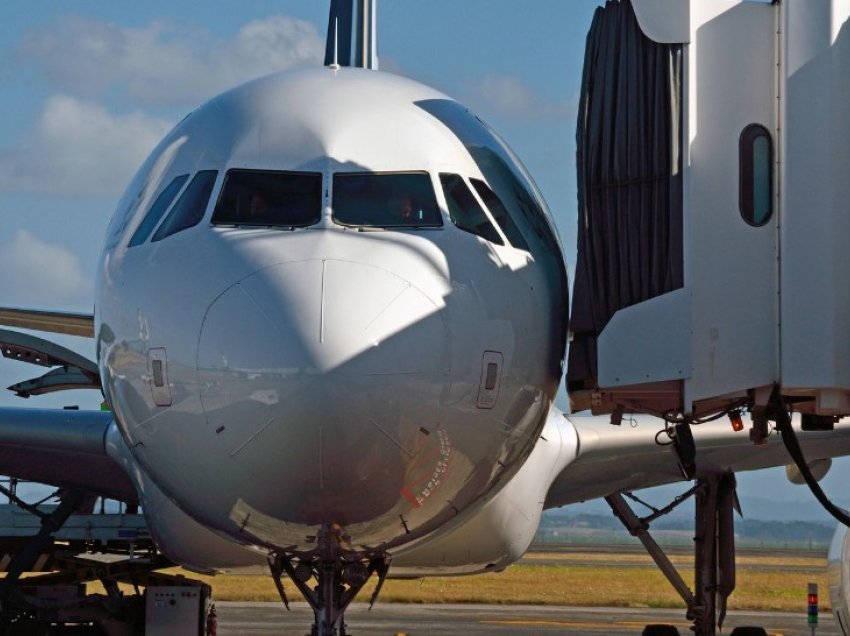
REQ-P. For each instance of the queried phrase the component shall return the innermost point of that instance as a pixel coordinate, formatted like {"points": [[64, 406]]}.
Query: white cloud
{"points": [[80, 149], [34, 273], [162, 63], [266, 46], [507, 96]]}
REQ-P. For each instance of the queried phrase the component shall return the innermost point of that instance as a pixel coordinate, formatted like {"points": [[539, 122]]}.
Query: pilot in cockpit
{"points": [[258, 210], [403, 207]]}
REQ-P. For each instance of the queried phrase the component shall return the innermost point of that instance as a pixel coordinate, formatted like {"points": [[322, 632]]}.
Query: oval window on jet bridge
{"points": [[269, 198], [385, 200], [755, 181]]}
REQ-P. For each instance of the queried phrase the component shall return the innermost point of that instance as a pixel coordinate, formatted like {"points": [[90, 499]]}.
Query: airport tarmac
{"points": [[392, 619]]}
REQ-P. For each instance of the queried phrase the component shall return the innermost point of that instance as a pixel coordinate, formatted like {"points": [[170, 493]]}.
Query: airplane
{"points": [[330, 321]]}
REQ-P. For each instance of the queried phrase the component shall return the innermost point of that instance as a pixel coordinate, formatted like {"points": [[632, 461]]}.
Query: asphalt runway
{"points": [[392, 619]]}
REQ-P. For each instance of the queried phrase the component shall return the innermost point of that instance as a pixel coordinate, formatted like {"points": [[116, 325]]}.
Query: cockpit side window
{"points": [[465, 211], [500, 213], [269, 198], [385, 200], [190, 207], [157, 210]]}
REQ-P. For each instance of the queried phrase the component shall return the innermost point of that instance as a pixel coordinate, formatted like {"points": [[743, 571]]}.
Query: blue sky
{"points": [[88, 87]]}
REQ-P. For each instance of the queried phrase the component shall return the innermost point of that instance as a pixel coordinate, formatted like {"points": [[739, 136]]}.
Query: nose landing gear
{"points": [[338, 573]]}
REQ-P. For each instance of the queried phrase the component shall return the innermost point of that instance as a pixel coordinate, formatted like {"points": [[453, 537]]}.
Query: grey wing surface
{"points": [[62, 448], [73, 324], [637, 454]]}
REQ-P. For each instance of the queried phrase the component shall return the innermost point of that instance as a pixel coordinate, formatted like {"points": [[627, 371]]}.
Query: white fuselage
{"points": [[271, 379]]}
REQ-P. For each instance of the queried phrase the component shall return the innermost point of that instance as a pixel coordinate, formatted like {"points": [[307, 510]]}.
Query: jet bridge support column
{"points": [[714, 549], [714, 557], [639, 528]]}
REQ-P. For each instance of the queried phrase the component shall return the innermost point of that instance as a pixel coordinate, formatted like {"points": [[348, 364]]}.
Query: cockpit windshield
{"points": [[385, 200], [268, 198]]}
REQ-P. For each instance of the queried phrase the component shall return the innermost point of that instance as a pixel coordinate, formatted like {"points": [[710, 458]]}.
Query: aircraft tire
{"points": [[660, 630]]}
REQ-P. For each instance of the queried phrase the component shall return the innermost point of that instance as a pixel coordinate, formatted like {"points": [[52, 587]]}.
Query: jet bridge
{"points": [[712, 262]]}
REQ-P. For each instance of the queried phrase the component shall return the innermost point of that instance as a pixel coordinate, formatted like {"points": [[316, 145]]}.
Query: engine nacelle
{"points": [[839, 578]]}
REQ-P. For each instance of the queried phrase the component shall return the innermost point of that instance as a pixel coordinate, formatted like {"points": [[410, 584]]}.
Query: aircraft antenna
{"points": [[335, 64]]}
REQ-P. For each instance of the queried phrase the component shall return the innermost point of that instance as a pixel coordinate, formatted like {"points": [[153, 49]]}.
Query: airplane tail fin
{"points": [[352, 36]]}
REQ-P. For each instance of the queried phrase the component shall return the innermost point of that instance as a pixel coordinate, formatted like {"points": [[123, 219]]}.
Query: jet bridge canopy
{"points": [[630, 179]]}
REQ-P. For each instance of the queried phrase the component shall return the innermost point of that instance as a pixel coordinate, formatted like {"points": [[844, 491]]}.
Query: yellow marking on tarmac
{"points": [[637, 625], [541, 623], [575, 624], [642, 624]]}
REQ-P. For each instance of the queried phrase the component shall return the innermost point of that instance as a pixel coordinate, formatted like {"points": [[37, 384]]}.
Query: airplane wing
{"points": [[63, 448], [638, 454], [53, 321]]}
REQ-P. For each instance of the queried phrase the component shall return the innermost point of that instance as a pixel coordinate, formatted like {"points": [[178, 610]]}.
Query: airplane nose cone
{"points": [[321, 316], [310, 372]]}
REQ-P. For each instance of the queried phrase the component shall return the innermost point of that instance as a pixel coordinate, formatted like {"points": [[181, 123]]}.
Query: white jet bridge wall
{"points": [[759, 305], [815, 233], [730, 265]]}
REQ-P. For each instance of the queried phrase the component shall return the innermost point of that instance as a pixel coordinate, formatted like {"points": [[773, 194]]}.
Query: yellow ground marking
{"points": [[586, 624], [542, 623]]}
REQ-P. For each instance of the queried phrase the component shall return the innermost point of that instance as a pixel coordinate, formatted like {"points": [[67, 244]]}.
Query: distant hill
{"points": [[790, 523], [598, 528], [794, 503]]}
